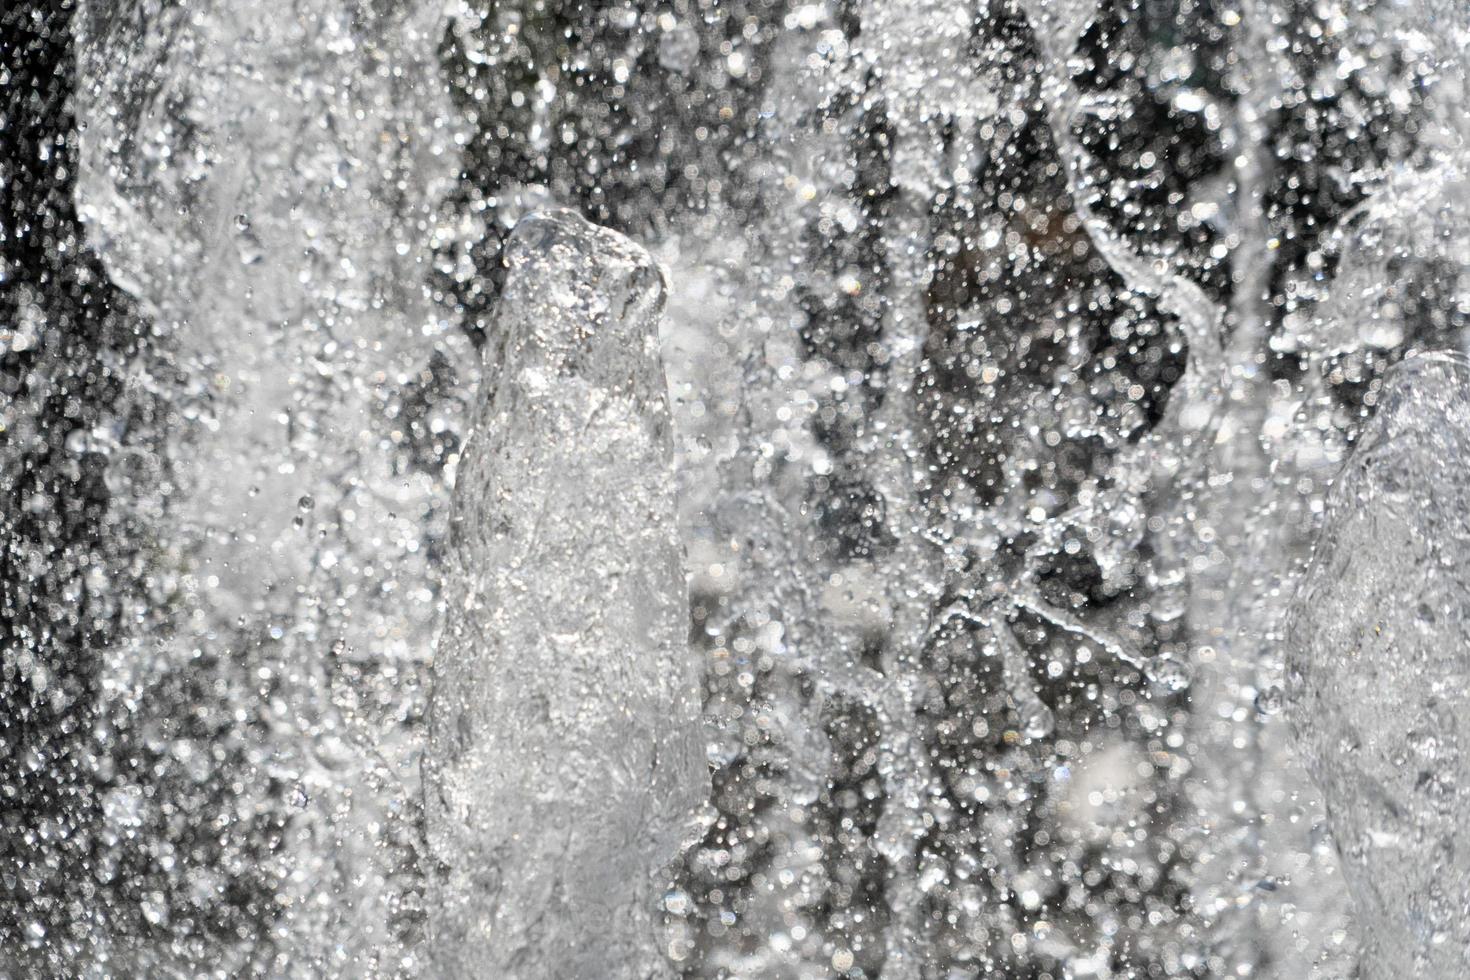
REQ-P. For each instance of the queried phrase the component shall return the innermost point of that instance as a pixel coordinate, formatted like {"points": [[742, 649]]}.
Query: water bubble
{"points": [[932, 875], [1169, 674], [1271, 700], [155, 908], [124, 807], [1037, 720], [678, 49], [622, 18], [82, 441], [676, 902]]}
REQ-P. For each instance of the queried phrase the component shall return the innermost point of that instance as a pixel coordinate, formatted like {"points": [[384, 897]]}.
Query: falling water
{"points": [[1018, 471]]}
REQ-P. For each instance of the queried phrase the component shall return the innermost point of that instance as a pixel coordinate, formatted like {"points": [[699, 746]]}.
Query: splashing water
{"points": [[1377, 673], [1012, 357], [564, 763]]}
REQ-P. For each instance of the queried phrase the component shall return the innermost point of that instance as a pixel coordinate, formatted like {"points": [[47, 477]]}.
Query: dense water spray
{"points": [[1016, 355]]}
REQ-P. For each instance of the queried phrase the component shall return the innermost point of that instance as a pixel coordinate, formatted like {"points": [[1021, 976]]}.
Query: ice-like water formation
{"points": [[566, 759], [1379, 683]]}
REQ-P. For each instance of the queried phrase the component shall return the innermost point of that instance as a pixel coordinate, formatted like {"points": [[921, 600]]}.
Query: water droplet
{"points": [[678, 49], [155, 908], [1169, 674], [1037, 720], [676, 901]]}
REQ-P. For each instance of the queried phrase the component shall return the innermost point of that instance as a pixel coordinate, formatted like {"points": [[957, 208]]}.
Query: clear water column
{"points": [[565, 757], [1379, 675]]}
